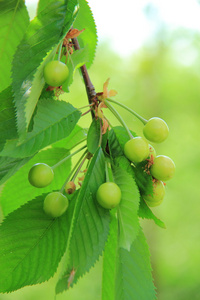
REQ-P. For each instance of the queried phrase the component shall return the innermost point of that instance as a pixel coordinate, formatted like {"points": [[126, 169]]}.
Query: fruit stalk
{"points": [[144, 121], [117, 115]]}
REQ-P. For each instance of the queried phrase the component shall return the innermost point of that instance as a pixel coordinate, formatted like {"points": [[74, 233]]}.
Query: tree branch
{"points": [[88, 84]]}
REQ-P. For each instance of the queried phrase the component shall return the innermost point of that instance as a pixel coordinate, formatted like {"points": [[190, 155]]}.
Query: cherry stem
{"points": [[144, 121], [88, 84], [67, 157], [80, 166], [72, 171], [109, 175], [117, 115]]}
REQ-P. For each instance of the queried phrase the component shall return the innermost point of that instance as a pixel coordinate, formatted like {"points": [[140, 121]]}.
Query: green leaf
{"points": [[133, 277], [88, 38], [143, 180], [114, 145], [18, 189], [75, 61], [10, 165], [31, 246], [128, 208], [54, 121], [14, 20], [146, 213], [7, 117], [94, 136], [77, 136], [89, 226], [43, 35], [109, 261]]}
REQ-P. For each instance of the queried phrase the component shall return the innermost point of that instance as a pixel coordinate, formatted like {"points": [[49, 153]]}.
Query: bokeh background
{"points": [[151, 53]]}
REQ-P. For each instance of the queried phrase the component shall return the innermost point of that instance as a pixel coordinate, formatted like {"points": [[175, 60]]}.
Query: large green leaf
{"points": [[54, 121], [89, 226], [43, 34], [110, 260], [133, 276], [31, 246], [77, 136], [7, 117], [18, 189], [88, 38], [10, 165], [146, 213], [128, 208], [94, 136], [14, 20]]}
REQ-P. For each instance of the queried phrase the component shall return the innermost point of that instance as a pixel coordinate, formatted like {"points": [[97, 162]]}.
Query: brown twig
{"points": [[91, 93]]}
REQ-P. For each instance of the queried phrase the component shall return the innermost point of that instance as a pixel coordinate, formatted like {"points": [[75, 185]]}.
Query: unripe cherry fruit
{"points": [[70, 187], [136, 149], [55, 73], [55, 204], [163, 168], [108, 195], [40, 175], [156, 130], [158, 194]]}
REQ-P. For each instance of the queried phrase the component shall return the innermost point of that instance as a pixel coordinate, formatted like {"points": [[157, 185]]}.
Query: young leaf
{"points": [[43, 34], [146, 213], [54, 121], [133, 276], [89, 226], [10, 165], [88, 38], [18, 189], [109, 261], [14, 20], [7, 117], [128, 208], [94, 136], [31, 246]]}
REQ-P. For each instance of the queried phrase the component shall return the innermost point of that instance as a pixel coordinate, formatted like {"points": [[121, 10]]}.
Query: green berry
{"points": [[40, 175], [156, 130], [55, 73], [136, 149], [108, 195], [163, 168], [158, 194], [55, 204]]}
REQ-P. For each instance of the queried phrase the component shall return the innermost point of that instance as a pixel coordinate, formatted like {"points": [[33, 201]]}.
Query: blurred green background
{"points": [[161, 79]]}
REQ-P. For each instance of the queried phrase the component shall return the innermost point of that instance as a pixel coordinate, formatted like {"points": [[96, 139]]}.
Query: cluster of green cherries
{"points": [[137, 149], [162, 168], [55, 203]]}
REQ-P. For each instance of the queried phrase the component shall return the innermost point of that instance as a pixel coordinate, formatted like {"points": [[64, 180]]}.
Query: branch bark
{"points": [[91, 93]]}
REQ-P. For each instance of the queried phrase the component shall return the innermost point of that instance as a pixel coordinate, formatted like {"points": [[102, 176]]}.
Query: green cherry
{"points": [[158, 194], [108, 195], [156, 130], [163, 168], [136, 149], [40, 175], [55, 73], [55, 204]]}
